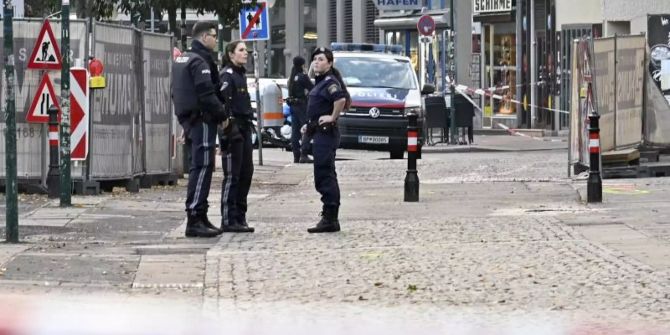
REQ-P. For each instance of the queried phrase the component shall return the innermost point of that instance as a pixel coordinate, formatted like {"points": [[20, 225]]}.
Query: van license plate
{"points": [[373, 139]]}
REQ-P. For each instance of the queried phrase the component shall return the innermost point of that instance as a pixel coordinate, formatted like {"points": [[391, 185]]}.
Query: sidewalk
{"points": [[506, 143], [497, 237]]}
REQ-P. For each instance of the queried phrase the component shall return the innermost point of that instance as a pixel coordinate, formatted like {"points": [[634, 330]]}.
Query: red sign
{"points": [[426, 25], [78, 113], [46, 55]]}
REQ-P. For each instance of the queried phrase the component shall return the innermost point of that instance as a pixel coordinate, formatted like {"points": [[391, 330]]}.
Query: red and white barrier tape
{"points": [[463, 89]]}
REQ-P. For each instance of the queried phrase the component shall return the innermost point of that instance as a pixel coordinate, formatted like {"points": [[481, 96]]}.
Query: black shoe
{"points": [[305, 159], [209, 224], [237, 228], [243, 223], [328, 224], [196, 227]]}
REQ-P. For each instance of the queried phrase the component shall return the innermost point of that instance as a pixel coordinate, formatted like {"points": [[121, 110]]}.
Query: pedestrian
{"points": [[325, 103], [235, 140], [199, 108], [299, 86]]}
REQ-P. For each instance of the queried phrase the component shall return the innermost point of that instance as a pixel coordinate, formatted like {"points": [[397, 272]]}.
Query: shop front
{"points": [[526, 85]]}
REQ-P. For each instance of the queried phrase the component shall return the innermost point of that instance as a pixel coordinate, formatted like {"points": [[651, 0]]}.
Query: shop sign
{"points": [[389, 5], [491, 6]]}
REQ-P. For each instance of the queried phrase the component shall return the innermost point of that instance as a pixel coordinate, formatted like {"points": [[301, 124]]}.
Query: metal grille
{"points": [[371, 13], [374, 131], [348, 22], [332, 21], [383, 112]]}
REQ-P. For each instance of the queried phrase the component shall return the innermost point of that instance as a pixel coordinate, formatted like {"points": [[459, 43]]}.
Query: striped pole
{"points": [[594, 185], [53, 176], [411, 178]]}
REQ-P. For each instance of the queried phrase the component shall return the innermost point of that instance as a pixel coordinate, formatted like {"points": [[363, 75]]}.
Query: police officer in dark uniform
{"points": [[198, 106], [299, 86], [326, 101], [235, 140]]}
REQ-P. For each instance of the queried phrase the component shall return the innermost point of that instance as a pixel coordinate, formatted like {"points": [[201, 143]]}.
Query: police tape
{"points": [[490, 93]]}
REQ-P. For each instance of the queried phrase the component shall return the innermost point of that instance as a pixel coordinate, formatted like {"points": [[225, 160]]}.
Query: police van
{"points": [[384, 88]]}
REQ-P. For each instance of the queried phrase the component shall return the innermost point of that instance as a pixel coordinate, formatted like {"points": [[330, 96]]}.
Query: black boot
{"points": [[240, 226], [196, 227], [305, 159], [329, 222], [209, 224]]}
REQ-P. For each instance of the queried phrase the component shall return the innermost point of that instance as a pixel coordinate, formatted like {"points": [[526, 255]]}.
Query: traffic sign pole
{"points": [[65, 176], [11, 188], [259, 107], [452, 56]]}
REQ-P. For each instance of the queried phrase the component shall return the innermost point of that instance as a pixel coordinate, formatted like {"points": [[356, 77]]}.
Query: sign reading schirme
{"points": [[491, 6], [398, 4]]}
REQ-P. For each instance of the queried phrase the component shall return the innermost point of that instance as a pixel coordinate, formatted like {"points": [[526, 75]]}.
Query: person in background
{"points": [[299, 86]]}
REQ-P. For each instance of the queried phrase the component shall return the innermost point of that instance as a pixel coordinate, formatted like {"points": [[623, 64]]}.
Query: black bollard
{"points": [[411, 178], [53, 177], [594, 185]]}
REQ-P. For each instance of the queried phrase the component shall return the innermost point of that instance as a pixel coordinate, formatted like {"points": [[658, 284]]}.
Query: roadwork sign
{"points": [[46, 55], [44, 97]]}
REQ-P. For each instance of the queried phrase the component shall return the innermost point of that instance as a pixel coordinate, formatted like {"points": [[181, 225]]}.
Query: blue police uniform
{"points": [[238, 165], [199, 108], [300, 87], [326, 140]]}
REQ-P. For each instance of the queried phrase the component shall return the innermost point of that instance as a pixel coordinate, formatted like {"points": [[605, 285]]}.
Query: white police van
{"points": [[384, 88]]}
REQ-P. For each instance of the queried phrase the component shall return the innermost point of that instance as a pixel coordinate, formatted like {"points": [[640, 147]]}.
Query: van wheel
{"points": [[397, 153]]}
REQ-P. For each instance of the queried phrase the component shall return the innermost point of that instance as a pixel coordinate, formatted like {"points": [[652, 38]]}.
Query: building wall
{"points": [[578, 12], [627, 10]]}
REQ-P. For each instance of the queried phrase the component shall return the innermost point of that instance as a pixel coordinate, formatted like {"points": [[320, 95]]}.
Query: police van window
{"points": [[376, 72]]}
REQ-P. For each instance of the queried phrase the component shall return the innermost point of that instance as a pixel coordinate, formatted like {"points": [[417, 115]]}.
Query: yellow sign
{"points": [[98, 82], [488, 111]]}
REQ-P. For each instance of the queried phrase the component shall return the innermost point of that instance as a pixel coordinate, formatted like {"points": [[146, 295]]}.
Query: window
{"points": [[376, 72]]}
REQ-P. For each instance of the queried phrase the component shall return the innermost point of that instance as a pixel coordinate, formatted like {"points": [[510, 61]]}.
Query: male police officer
{"points": [[199, 108]]}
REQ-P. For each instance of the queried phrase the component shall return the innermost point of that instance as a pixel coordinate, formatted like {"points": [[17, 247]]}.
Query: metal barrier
{"points": [[157, 103], [132, 132]]}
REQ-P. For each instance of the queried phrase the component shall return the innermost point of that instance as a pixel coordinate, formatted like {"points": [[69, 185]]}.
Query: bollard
{"points": [[411, 178], [594, 185], [53, 177]]}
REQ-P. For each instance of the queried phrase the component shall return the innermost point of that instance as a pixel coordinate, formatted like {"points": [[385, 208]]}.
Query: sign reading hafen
{"points": [[491, 6], [389, 5]]}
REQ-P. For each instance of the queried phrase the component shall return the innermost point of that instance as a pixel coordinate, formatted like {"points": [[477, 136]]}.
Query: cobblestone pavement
{"points": [[501, 239], [491, 236]]}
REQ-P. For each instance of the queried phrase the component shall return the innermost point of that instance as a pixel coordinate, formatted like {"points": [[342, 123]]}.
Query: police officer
{"points": [[235, 140], [198, 106], [299, 86], [326, 101]]}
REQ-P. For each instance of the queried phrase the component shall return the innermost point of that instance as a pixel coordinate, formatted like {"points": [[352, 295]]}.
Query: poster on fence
{"points": [[658, 37]]}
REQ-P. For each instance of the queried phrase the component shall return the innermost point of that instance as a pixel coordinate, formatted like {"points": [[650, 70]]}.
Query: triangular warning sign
{"points": [[46, 55], [45, 96]]}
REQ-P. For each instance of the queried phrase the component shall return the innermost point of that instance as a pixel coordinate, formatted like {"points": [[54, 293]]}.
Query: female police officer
{"points": [[299, 86], [326, 101], [235, 140]]}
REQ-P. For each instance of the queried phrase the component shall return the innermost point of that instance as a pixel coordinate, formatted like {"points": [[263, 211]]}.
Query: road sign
{"points": [[79, 113], [44, 97], [426, 25], [46, 55], [254, 23]]}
